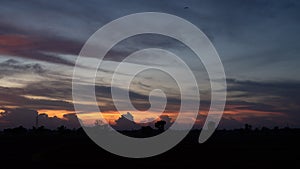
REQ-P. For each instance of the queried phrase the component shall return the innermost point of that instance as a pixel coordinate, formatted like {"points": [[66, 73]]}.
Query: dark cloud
{"points": [[11, 67], [69, 120], [255, 39], [139, 101], [138, 42], [17, 117], [56, 89], [247, 34], [252, 101], [126, 122], [38, 48], [55, 94], [287, 91], [27, 118], [15, 97], [280, 96], [234, 103], [273, 103]]}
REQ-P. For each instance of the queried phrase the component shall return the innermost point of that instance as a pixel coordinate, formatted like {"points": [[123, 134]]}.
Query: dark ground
{"points": [[226, 149]]}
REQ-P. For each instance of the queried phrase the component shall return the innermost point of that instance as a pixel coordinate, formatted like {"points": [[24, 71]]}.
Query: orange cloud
{"points": [[57, 113], [140, 116]]}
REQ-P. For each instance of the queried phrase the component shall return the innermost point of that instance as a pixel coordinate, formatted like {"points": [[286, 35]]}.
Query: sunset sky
{"points": [[257, 41]]}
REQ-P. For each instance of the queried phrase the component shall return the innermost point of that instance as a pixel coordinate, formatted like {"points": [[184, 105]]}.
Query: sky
{"points": [[258, 42]]}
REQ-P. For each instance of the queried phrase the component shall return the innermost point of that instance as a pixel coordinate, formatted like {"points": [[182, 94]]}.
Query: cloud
{"points": [[255, 40], [36, 48], [14, 97], [56, 95], [248, 101], [279, 96], [17, 117], [27, 118], [126, 122], [12, 66], [68, 120], [256, 103], [287, 91]]}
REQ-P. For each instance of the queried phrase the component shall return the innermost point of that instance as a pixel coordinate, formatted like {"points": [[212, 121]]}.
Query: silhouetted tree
{"points": [[147, 129], [265, 129], [17, 130], [248, 127], [160, 125], [62, 129]]}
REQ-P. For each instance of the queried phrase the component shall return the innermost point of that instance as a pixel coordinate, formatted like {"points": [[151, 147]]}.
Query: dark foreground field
{"points": [[226, 149]]}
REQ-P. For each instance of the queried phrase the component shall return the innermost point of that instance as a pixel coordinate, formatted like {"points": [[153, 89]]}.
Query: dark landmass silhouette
{"points": [[72, 148]]}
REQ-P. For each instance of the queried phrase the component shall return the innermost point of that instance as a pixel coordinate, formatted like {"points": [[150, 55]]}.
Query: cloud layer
{"points": [[256, 40]]}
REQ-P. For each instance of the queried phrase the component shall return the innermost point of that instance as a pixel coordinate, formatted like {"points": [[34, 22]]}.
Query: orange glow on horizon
{"points": [[57, 113], [140, 116], [111, 117], [252, 112]]}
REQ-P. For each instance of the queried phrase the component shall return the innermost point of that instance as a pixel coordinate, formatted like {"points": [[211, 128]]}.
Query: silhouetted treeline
{"points": [[40, 131], [246, 147], [147, 131]]}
